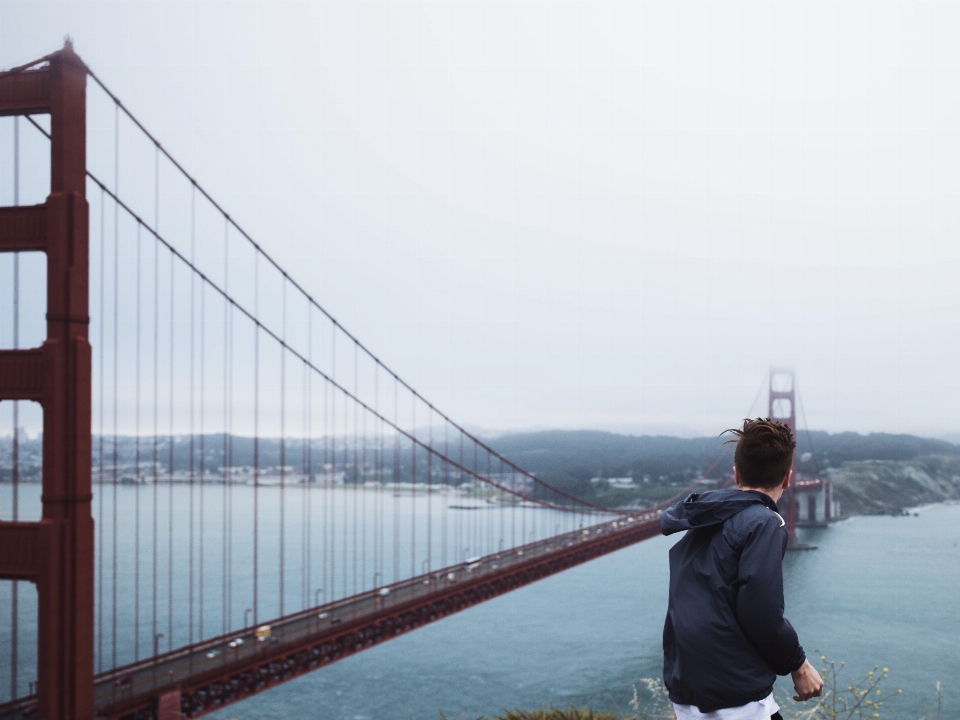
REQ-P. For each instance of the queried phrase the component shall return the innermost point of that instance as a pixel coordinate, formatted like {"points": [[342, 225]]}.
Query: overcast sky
{"points": [[581, 214]]}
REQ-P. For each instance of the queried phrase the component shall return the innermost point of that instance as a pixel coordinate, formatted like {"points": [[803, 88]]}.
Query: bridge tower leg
{"points": [[57, 552], [783, 408]]}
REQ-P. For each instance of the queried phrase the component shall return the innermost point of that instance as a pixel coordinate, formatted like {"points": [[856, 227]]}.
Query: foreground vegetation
{"points": [[864, 697], [549, 712]]}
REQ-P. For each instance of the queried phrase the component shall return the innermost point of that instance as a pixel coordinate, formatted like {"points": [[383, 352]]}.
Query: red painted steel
{"points": [[776, 411], [26, 91], [23, 228], [21, 550], [22, 374], [782, 407], [168, 706], [57, 552]]}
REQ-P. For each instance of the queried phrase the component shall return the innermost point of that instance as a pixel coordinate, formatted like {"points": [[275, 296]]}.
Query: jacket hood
{"points": [[712, 507]]}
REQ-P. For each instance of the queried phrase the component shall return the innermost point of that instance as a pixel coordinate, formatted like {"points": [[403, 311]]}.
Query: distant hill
{"points": [[589, 452], [879, 472], [878, 487], [833, 449], [571, 458]]}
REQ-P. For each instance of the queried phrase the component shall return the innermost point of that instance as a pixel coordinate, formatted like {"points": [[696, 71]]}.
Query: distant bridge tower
{"points": [[817, 507], [783, 408]]}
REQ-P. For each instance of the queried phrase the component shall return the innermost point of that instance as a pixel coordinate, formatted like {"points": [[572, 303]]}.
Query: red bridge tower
{"points": [[782, 407], [56, 553]]}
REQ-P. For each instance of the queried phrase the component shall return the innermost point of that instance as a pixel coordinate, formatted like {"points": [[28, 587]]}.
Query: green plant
{"points": [[549, 712], [660, 707], [860, 699]]}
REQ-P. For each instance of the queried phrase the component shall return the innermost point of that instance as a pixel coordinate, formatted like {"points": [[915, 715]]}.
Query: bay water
{"points": [[877, 591]]}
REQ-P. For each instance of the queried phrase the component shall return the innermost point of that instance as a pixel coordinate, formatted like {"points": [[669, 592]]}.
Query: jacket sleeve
{"points": [[760, 598]]}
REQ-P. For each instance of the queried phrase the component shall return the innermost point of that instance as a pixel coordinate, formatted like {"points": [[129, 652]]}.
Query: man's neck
{"points": [[774, 494]]}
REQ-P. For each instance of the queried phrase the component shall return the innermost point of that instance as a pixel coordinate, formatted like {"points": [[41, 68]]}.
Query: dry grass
{"points": [[549, 712]]}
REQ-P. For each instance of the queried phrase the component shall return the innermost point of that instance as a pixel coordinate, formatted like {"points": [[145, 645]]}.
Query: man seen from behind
{"points": [[725, 638]]}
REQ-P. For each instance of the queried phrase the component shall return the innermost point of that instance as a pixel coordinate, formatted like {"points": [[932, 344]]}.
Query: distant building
{"points": [[620, 483]]}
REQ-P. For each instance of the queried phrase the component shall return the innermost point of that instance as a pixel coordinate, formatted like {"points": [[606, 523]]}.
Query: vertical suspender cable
{"points": [[171, 460], [304, 497], [378, 488], [382, 486], [446, 491], [324, 493], [256, 436], [156, 437], [100, 516], [523, 513], [230, 462], [413, 486], [346, 492], [203, 454], [396, 480], [15, 450], [459, 516], [382, 479], [193, 226], [304, 500], [345, 463], [327, 479], [506, 498], [513, 508], [330, 464], [363, 495], [478, 522], [489, 514], [503, 507], [225, 462], [283, 456], [308, 451], [429, 489], [308, 431], [356, 469], [136, 553], [116, 288]]}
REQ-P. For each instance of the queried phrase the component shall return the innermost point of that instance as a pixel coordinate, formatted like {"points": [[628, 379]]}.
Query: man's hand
{"points": [[807, 682]]}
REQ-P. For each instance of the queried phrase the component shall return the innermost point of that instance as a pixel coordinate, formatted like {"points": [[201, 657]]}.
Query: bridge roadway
{"points": [[219, 671]]}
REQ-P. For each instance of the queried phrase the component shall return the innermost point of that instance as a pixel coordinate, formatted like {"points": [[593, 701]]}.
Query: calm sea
{"points": [[877, 591]]}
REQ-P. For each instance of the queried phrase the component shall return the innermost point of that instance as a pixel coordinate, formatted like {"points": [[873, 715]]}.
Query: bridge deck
{"points": [[220, 671]]}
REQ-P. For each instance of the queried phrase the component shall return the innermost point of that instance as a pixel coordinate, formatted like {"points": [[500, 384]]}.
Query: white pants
{"points": [[757, 710]]}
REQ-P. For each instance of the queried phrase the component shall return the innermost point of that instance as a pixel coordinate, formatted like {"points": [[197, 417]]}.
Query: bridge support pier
{"points": [[168, 706]]}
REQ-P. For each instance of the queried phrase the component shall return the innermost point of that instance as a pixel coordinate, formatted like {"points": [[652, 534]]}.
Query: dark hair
{"points": [[764, 452]]}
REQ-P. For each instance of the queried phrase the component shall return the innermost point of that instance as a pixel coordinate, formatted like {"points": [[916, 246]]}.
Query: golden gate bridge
{"points": [[235, 490]]}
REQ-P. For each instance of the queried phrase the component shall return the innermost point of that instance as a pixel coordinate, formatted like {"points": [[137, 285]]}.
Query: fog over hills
{"points": [[879, 472], [589, 453], [661, 465]]}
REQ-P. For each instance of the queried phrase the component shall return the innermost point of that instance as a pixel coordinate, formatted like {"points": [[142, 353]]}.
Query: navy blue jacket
{"points": [[725, 638]]}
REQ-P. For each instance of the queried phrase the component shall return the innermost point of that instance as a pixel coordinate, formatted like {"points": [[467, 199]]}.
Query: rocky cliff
{"points": [[878, 487]]}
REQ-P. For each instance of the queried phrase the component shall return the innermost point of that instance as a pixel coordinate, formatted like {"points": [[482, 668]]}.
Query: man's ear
{"points": [[736, 475], [786, 480]]}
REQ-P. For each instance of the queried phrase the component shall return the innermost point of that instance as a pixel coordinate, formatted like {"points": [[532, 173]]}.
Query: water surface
{"points": [[878, 590]]}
